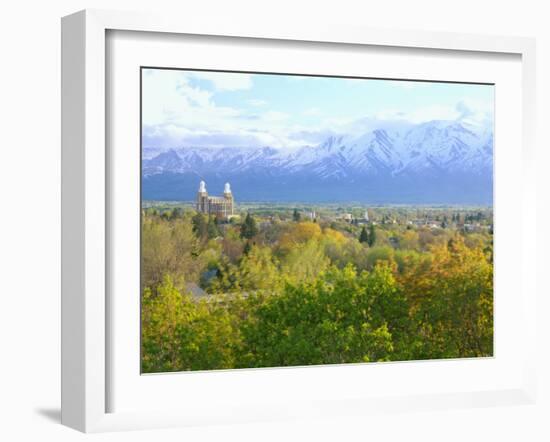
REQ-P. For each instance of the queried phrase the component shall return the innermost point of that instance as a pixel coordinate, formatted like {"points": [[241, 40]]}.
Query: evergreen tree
{"points": [[200, 226], [296, 215], [176, 213], [212, 228], [247, 248], [372, 236], [248, 227], [364, 236]]}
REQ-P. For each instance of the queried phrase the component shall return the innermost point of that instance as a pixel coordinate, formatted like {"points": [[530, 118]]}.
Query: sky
{"points": [[219, 109]]}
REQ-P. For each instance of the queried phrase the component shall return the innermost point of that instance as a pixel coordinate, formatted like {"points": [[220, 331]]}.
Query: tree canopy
{"points": [[302, 293], [249, 229]]}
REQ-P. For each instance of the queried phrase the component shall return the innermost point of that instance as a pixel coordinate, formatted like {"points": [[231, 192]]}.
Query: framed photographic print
{"points": [[355, 223], [269, 223]]}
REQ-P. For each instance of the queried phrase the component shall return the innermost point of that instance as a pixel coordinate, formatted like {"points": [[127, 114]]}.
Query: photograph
{"points": [[290, 219]]}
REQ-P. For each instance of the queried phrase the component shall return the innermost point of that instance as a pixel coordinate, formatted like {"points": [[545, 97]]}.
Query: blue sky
{"points": [[217, 109]]}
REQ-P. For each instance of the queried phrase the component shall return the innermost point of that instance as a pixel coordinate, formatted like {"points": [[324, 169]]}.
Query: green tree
{"points": [[212, 228], [305, 262], [169, 248], [258, 271], [372, 235], [339, 318], [249, 229], [176, 213], [296, 216], [179, 333], [364, 236], [379, 254], [200, 226], [300, 293]]}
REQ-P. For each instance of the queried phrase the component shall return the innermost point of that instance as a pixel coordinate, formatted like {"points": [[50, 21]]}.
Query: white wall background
{"points": [[30, 215]]}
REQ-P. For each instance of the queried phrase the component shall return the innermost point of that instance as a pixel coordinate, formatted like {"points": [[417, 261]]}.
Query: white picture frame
{"points": [[86, 209]]}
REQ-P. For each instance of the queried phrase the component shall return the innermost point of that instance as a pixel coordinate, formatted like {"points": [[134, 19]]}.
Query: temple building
{"points": [[218, 206]]}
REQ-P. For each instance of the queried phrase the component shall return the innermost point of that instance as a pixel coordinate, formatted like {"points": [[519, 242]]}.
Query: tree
{"points": [[258, 270], [299, 293], [305, 262], [451, 302], [298, 233], [372, 235], [179, 333], [408, 240], [176, 213], [380, 254], [342, 317], [212, 228], [232, 244], [200, 225], [169, 248], [364, 236], [296, 215], [249, 229]]}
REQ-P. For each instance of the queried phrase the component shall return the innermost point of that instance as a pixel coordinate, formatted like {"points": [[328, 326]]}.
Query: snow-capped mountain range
{"points": [[433, 162]]}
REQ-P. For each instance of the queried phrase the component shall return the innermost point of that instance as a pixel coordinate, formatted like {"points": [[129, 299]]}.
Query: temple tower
{"points": [[229, 200]]}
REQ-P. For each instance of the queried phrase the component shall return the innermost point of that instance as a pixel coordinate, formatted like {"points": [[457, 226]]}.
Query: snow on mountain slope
{"points": [[437, 145]]}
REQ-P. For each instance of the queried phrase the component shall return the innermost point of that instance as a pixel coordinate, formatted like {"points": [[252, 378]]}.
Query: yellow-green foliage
{"points": [[180, 334], [300, 293]]}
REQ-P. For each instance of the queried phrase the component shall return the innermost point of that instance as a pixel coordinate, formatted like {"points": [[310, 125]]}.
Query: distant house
{"points": [[474, 227], [364, 220], [348, 217]]}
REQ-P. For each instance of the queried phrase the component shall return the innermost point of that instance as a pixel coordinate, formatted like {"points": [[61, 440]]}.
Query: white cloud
{"points": [[169, 99], [274, 116], [170, 136], [177, 113], [313, 112], [465, 110], [257, 102], [225, 81], [476, 112]]}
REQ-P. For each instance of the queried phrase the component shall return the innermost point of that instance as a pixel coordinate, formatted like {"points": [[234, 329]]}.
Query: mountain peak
{"points": [[434, 150]]}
